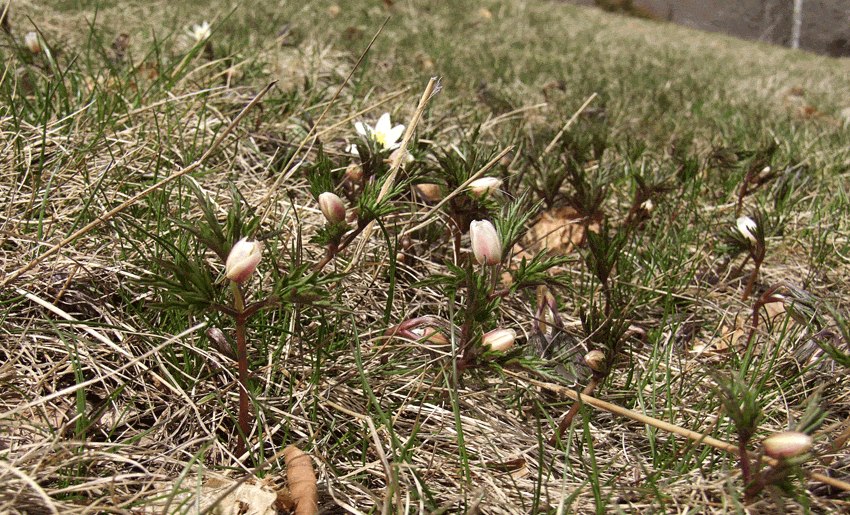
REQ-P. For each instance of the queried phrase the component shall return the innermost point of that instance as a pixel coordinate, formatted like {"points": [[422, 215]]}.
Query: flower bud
{"points": [[31, 42], [747, 228], [484, 187], [332, 207], [430, 191], [432, 335], [243, 260], [787, 444], [486, 246], [499, 339], [354, 173], [595, 359]]}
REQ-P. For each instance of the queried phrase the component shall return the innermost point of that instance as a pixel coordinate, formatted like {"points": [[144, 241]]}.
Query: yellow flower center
{"points": [[380, 137]]}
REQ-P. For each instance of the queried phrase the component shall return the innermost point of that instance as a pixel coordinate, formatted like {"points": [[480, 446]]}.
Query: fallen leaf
{"points": [[257, 498], [560, 230]]}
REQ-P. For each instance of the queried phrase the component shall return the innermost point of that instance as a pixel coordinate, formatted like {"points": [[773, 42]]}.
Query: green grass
{"points": [[104, 409]]}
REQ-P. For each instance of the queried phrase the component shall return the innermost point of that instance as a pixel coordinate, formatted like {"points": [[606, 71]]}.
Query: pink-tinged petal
{"points": [[486, 246], [595, 359], [484, 186], [499, 339], [31, 42], [787, 444], [332, 207], [243, 260]]}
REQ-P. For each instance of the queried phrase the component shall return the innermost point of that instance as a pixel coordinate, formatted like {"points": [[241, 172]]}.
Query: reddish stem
{"points": [[334, 249], [752, 281], [745, 467], [567, 421], [242, 356]]}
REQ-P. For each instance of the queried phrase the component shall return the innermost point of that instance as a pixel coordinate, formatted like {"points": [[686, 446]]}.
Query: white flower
{"points": [[484, 186], [595, 359], [332, 207], [383, 133], [787, 444], [747, 227], [31, 42], [200, 32], [486, 246], [499, 339], [243, 260]]}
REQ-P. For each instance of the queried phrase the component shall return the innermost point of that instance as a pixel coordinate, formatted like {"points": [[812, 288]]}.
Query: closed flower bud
{"points": [[747, 228], [787, 444], [432, 335], [484, 186], [486, 246], [354, 173], [595, 359], [432, 192], [499, 339], [243, 260], [332, 207], [31, 42]]}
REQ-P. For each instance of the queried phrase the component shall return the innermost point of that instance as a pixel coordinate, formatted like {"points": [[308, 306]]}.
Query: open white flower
{"points": [[200, 32], [383, 133]]}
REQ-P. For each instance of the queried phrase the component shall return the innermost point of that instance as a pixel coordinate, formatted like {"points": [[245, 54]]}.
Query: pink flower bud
{"points": [[486, 245], [332, 207], [484, 186], [787, 444], [431, 335], [499, 339], [243, 260], [595, 359], [354, 173]]}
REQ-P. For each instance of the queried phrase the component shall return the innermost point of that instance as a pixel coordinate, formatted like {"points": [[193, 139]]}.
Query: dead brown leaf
{"points": [[560, 230]]}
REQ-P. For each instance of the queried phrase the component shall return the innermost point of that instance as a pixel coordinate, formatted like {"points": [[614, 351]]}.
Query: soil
{"points": [[825, 28]]}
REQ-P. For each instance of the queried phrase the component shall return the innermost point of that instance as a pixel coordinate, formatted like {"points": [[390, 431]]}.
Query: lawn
{"points": [[585, 263]]}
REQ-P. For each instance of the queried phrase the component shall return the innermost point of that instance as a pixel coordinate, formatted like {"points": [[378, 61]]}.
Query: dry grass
{"points": [[109, 404]]}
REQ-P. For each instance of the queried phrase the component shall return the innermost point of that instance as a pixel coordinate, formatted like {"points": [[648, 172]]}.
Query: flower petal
{"points": [[384, 124], [361, 128], [394, 134]]}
